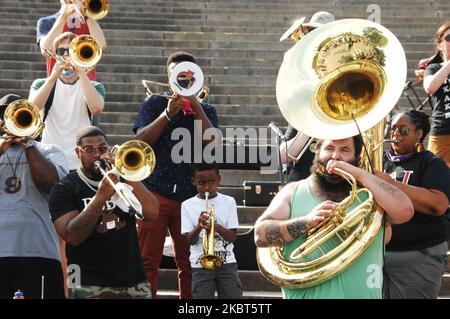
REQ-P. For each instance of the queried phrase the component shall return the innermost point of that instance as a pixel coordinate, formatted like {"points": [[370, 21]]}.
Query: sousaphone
{"points": [[343, 72]]}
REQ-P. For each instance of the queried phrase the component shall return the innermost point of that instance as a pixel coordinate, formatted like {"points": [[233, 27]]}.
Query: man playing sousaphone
{"points": [[101, 238], [337, 84], [302, 205]]}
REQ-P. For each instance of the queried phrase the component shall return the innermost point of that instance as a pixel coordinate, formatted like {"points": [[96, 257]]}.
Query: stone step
{"points": [[428, 16], [196, 43], [253, 120], [248, 214], [251, 281], [242, 20], [225, 109], [200, 6], [445, 286], [395, 28], [182, 36]]}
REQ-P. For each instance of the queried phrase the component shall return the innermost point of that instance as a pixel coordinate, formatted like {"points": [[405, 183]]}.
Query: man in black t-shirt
{"points": [[101, 239]]}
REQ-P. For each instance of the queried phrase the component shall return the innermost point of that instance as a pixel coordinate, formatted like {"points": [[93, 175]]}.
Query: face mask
{"points": [[68, 73]]}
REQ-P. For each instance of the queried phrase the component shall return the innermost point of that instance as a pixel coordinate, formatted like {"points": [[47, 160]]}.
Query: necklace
{"points": [[89, 182], [13, 183]]}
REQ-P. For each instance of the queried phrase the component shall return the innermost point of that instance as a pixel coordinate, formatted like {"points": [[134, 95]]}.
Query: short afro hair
{"points": [[89, 131], [180, 56]]}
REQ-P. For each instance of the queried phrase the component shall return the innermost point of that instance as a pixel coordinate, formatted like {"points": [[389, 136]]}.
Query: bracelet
{"points": [[167, 115]]}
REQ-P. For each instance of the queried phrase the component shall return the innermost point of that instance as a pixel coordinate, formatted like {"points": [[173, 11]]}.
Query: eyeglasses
{"points": [[61, 51], [447, 37], [91, 150], [402, 130]]}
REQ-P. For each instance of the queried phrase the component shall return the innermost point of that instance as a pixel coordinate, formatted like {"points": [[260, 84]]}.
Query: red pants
{"points": [[152, 235]]}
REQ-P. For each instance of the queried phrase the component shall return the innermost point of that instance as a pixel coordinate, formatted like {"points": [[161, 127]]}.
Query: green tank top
{"points": [[361, 280]]}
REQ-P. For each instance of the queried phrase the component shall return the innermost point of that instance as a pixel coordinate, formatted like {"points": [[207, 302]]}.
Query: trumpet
{"points": [[209, 260], [22, 119], [135, 161], [84, 51]]}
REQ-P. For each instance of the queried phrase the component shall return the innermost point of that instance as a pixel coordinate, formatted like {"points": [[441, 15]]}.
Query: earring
{"points": [[418, 147]]}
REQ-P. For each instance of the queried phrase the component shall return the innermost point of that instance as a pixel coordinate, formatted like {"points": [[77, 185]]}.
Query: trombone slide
{"points": [[133, 210]]}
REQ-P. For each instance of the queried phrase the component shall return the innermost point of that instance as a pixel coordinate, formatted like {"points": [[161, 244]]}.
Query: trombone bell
{"points": [[96, 9], [22, 119], [135, 160], [85, 51]]}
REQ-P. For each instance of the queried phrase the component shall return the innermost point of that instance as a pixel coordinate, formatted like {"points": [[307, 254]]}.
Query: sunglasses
{"points": [[402, 130], [61, 51], [91, 150], [447, 38]]}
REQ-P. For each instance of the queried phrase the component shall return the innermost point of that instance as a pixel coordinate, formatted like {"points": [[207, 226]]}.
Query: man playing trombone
{"points": [[67, 19], [101, 238], [67, 100]]}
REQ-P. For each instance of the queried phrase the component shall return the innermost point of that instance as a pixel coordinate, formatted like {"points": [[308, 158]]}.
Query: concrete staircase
{"points": [[236, 44]]}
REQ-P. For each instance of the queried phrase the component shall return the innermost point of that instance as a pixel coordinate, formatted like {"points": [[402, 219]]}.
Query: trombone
{"points": [[84, 51], [209, 260], [96, 9], [135, 161], [22, 119], [152, 88]]}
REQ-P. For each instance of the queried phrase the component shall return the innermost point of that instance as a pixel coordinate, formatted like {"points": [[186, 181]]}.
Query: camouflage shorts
{"points": [[140, 291]]}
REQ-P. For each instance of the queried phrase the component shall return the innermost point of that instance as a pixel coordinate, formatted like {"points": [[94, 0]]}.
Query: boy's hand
{"points": [[203, 220]]}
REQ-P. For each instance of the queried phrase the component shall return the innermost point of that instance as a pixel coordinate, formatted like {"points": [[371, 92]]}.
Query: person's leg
{"points": [[6, 290], [440, 145], [181, 253], [203, 286], [228, 282], [38, 278], [415, 274], [151, 235], [139, 291]]}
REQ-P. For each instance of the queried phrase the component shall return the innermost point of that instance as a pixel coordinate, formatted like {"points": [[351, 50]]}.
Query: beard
{"points": [[333, 186]]}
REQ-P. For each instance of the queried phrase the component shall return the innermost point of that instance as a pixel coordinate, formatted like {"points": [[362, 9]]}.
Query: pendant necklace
{"points": [[13, 183]]}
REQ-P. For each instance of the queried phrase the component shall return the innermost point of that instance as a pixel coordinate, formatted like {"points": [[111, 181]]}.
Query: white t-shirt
{"points": [[67, 115], [226, 215]]}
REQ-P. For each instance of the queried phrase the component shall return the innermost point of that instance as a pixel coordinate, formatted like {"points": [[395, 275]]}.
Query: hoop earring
{"points": [[418, 147]]}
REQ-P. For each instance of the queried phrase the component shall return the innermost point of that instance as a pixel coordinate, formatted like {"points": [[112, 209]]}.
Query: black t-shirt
{"points": [[301, 169], [422, 231], [110, 256], [440, 124]]}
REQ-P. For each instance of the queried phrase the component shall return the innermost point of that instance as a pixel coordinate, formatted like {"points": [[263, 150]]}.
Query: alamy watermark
{"points": [[190, 148]]}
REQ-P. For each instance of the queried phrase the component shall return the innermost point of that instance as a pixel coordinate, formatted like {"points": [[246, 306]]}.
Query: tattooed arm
{"points": [[75, 227], [274, 228], [396, 204]]}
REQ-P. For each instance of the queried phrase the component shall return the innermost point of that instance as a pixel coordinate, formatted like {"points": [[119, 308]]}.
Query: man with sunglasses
{"points": [[67, 100], [67, 19], [101, 239]]}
